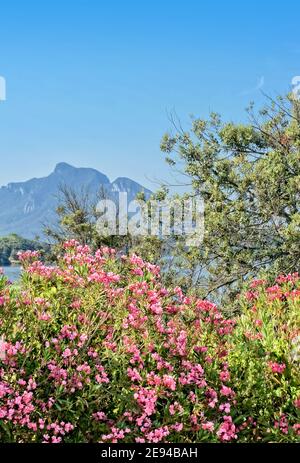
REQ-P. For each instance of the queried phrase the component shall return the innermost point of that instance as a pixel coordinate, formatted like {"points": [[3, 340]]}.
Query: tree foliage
{"points": [[249, 176], [77, 217]]}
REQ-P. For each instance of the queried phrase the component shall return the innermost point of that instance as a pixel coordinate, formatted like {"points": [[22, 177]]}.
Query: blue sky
{"points": [[91, 82]]}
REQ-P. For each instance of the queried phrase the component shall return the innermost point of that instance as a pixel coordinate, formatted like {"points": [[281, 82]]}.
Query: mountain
{"points": [[26, 206]]}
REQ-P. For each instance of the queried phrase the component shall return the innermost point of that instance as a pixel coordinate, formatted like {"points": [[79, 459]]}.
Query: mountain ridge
{"points": [[26, 206]]}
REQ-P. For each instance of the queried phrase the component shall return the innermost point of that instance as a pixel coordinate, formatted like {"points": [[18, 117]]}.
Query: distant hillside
{"points": [[26, 206], [10, 245]]}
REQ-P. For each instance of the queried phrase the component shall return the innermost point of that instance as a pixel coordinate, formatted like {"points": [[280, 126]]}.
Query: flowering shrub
{"points": [[97, 350], [265, 360]]}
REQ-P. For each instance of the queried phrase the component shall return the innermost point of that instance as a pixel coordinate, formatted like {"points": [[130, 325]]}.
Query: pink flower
{"points": [[146, 398], [227, 430], [169, 382], [158, 434], [44, 317], [201, 349], [227, 391], [225, 408], [296, 429], [99, 416], [208, 426], [282, 424], [140, 440], [177, 427], [175, 407], [251, 295], [256, 283], [192, 397], [67, 353], [212, 397], [133, 374], [297, 402], [102, 376], [56, 440], [277, 367], [225, 375]]}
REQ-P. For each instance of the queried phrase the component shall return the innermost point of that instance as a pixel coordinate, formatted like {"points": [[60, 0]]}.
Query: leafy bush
{"points": [[265, 358], [97, 350]]}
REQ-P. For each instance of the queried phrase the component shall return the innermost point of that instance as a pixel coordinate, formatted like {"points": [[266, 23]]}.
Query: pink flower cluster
{"points": [[96, 348], [277, 367]]}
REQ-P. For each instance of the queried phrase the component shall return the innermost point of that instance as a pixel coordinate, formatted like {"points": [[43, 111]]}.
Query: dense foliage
{"points": [[249, 177], [96, 349], [77, 214]]}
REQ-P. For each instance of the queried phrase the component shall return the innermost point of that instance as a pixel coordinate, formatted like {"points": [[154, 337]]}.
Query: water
{"points": [[12, 272]]}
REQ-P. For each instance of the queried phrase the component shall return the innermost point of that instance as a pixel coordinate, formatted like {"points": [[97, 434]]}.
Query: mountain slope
{"points": [[26, 206]]}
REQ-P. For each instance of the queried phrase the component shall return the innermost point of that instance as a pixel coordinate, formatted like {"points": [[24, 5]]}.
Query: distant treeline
{"points": [[10, 246]]}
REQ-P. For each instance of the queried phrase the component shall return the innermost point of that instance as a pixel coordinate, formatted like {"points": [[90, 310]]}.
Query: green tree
{"points": [[77, 217], [249, 177]]}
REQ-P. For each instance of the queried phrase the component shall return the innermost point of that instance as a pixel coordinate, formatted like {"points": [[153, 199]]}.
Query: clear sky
{"points": [[91, 82]]}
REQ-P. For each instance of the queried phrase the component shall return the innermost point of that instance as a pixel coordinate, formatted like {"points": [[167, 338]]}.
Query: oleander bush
{"points": [[265, 359], [97, 350]]}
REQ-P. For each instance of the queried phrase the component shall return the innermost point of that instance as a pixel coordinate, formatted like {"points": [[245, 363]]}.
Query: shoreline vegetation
{"points": [[11, 244]]}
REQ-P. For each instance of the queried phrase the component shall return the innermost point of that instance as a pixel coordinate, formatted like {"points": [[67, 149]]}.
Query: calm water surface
{"points": [[12, 272]]}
